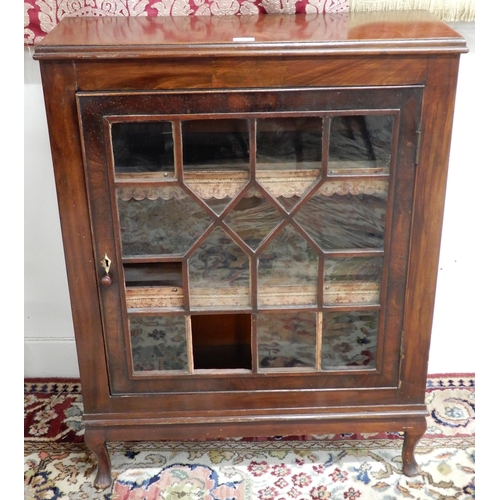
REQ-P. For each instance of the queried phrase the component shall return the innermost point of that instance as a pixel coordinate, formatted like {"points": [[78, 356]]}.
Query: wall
{"points": [[49, 348], [455, 313], [49, 345]]}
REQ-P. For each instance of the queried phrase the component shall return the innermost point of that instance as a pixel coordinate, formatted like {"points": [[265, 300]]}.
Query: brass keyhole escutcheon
{"points": [[106, 265]]}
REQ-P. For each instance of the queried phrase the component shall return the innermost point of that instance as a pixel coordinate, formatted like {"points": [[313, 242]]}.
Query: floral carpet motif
{"points": [[53, 410], [343, 467]]}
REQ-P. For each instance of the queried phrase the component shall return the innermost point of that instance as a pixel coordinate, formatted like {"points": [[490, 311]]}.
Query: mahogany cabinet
{"points": [[251, 211]]}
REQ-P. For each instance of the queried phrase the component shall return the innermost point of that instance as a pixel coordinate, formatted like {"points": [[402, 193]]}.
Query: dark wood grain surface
{"points": [[238, 36]]}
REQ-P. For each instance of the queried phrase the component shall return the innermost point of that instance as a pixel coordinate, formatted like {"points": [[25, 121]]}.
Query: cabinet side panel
{"points": [[430, 187], [59, 92]]}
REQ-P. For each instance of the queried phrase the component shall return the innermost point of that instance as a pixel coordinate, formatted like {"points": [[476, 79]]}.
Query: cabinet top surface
{"points": [[363, 33]]}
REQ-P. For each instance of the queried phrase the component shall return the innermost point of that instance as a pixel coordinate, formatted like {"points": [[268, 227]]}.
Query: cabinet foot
{"points": [[97, 445], [412, 437]]}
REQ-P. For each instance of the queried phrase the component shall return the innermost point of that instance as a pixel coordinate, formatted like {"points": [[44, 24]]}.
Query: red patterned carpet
{"points": [[53, 410], [342, 466]]}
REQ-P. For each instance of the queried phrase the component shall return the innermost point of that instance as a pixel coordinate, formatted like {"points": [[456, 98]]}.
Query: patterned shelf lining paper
{"points": [[41, 16]]}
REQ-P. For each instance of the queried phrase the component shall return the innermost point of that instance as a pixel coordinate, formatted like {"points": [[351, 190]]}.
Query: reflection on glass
{"points": [[153, 274], [253, 218], [288, 202], [345, 221], [215, 144], [161, 226], [353, 269], [216, 159], [288, 156], [360, 142], [158, 343], [287, 340], [289, 143], [349, 340], [217, 188], [352, 280], [287, 271], [143, 147], [218, 205], [219, 273], [153, 284]]}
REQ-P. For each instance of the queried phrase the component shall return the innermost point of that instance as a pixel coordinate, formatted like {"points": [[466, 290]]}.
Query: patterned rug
{"points": [[342, 466]]}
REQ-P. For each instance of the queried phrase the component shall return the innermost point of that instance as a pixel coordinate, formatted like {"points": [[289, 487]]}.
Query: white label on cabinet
{"points": [[244, 39]]}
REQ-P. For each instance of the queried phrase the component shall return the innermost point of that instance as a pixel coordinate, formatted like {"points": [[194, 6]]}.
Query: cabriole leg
{"points": [[96, 443], [412, 436]]}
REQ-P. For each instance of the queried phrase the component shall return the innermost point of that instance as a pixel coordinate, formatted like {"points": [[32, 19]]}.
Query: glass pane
{"points": [[343, 221], [154, 284], [287, 340], [253, 218], [289, 143], [153, 274], [358, 143], [215, 144], [218, 205], [287, 271], [158, 343], [349, 340], [353, 280], [219, 273], [216, 159], [143, 147], [288, 202], [288, 156], [216, 189], [160, 226]]}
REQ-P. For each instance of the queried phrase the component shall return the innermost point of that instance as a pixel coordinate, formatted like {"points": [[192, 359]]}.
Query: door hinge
{"points": [[417, 151], [401, 358]]}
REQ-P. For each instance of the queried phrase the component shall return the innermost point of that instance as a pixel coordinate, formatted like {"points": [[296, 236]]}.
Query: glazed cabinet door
{"points": [[251, 239]]}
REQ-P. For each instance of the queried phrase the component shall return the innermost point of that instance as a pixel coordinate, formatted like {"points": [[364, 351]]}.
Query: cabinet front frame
{"points": [[99, 110]]}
